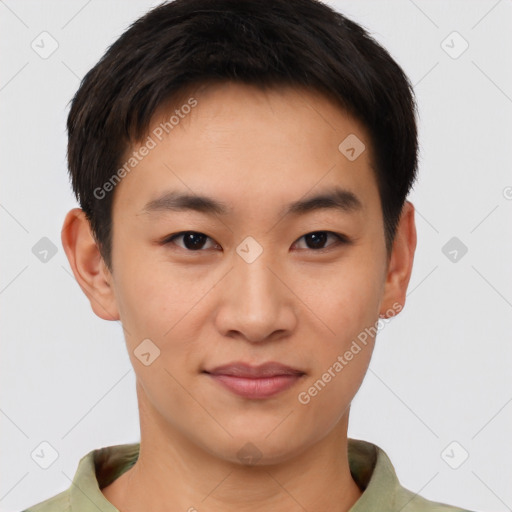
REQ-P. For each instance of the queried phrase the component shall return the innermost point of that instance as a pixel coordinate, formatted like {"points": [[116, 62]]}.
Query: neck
{"points": [[172, 473]]}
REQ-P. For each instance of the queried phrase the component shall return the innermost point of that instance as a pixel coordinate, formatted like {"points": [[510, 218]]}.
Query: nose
{"points": [[256, 304]]}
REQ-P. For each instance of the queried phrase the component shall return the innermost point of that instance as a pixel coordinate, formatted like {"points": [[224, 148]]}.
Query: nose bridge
{"points": [[256, 284], [256, 304]]}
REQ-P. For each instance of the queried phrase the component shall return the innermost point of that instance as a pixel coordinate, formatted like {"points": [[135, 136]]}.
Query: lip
{"points": [[255, 382]]}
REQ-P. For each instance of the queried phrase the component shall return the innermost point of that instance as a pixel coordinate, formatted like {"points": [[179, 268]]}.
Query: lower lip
{"points": [[260, 388]]}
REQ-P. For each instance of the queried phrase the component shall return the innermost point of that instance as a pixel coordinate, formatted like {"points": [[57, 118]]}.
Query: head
{"points": [[281, 138]]}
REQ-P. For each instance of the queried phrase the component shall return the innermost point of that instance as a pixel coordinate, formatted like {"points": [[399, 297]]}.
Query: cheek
{"points": [[150, 293], [166, 307], [348, 306], [344, 298]]}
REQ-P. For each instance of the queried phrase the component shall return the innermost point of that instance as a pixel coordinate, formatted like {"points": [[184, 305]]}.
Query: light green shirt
{"points": [[369, 465]]}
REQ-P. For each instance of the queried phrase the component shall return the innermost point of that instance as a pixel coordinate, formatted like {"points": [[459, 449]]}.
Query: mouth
{"points": [[255, 382]]}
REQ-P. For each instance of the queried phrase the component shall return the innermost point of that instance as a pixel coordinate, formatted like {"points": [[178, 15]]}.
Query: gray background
{"points": [[441, 370]]}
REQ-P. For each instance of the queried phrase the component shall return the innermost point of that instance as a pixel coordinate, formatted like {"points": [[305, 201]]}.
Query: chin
{"points": [[259, 450]]}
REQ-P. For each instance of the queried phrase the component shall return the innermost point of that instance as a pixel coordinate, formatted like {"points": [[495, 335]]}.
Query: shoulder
{"points": [[373, 471], [58, 503], [419, 504], [96, 470], [407, 501]]}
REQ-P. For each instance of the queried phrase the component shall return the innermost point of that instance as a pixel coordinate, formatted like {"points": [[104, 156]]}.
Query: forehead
{"points": [[240, 144]]}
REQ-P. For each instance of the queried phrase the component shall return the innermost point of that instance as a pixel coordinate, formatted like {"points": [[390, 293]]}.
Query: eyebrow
{"points": [[331, 199]]}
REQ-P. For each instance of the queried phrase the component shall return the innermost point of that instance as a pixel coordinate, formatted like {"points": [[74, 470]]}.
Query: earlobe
{"points": [[87, 264], [400, 263]]}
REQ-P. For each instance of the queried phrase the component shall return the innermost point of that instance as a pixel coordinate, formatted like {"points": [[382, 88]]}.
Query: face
{"points": [[255, 272]]}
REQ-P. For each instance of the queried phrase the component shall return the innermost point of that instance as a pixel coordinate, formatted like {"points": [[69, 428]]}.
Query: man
{"points": [[242, 169]]}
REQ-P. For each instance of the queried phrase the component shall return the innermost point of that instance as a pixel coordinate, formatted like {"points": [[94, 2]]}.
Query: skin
{"points": [[255, 151]]}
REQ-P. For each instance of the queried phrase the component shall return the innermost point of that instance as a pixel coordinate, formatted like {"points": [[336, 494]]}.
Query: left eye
{"points": [[195, 241], [317, 239]]}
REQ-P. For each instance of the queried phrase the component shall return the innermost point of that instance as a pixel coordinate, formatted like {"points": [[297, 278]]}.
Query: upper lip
{"points": [[240, 369]]}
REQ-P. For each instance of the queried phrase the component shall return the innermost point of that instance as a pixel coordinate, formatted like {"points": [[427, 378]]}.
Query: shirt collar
{"points": [[369, 465]]}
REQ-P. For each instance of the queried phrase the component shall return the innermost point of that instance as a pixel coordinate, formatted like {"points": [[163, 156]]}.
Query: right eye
{"points": [[192, 240]]}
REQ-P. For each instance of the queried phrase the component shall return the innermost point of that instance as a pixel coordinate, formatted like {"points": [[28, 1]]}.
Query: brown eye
{"points": [[317, 240], [192, 240]]}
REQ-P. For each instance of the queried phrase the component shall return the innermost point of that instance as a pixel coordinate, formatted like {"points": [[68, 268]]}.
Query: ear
{"points": [[87, 264], [400, 262]]}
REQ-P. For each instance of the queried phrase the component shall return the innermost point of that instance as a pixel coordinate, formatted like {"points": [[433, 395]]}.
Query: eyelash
{"points": [[341, 240]]}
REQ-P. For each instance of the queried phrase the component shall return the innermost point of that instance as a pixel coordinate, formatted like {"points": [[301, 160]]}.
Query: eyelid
{"points": [[169, 239], [342, 239]]}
